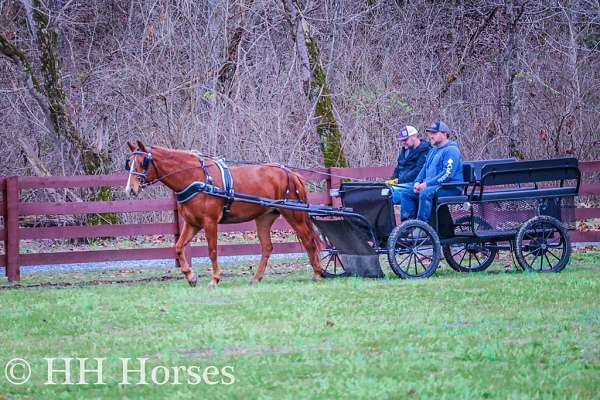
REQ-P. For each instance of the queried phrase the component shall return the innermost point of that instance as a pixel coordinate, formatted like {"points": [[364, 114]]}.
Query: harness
{"points": [[208, 186]]}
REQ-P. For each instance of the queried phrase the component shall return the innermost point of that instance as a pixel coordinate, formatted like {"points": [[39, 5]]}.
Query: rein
{"points": [[149, 160], [244, 162]]}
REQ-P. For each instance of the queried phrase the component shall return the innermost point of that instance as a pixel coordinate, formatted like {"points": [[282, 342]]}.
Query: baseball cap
{"points": [[438, 126], [407, 131]]}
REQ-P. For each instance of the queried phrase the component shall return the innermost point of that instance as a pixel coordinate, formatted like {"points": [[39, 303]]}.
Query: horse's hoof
{"points": [[254, 281], [213, 284], [193, 281], [316, 278]]}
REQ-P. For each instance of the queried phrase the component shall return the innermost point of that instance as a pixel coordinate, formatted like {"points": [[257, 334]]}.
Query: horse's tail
{"points": [[297, 189]]}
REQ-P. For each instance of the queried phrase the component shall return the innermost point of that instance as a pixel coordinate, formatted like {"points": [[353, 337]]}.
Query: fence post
{"points": [[328, 186], [13, 271], [334, 183]]}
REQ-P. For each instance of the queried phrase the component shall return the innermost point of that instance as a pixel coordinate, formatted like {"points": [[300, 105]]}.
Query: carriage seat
{"points": [[472, 172], [508, 171], [442, 220]]}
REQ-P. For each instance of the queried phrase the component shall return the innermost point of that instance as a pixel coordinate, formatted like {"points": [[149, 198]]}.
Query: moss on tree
{"points": [[327, 126], [93, 162]]}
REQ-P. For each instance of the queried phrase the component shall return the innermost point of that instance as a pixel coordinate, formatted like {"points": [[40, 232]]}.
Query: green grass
{"points": [[490, 335]]}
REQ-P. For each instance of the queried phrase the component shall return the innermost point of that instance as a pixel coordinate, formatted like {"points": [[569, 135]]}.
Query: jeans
{"points": [[423, 202], [398, 189]]}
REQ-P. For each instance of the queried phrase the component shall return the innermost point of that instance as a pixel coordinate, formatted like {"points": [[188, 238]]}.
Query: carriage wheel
{"points": [[542, 245], [414, 250], [470, 257], [333, 267]]}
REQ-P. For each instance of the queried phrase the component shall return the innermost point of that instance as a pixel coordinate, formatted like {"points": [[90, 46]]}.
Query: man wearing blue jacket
{"points": [[443, 165]]}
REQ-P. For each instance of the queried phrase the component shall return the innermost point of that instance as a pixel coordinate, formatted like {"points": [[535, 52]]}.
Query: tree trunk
{"points": [[314, 83], [94, 162], [574, 106], [514, 80], [228, 69], [50, 95]]}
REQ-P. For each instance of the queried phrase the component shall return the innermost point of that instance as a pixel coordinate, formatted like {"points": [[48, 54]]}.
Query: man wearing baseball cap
{"points": [[443, 165], [410, 161]]}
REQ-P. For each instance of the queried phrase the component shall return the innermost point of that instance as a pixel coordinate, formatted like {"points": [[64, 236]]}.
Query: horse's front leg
{"points": [[187, 234], [210, 229]]}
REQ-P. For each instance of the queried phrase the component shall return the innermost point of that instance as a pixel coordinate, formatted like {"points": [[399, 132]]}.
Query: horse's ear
{"points": [[141, 146], [131, 146]]}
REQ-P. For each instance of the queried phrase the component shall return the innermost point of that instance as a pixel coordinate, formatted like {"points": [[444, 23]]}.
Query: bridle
{"points": [[146, 162], [149, 160]]}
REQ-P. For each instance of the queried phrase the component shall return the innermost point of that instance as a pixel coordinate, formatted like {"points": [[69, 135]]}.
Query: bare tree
{"points": [[234, 41], [48, 91], [314, 83]]}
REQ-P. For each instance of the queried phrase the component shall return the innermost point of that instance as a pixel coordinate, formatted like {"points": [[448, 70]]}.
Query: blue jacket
{"points": [[407, 168], [443, 165]]}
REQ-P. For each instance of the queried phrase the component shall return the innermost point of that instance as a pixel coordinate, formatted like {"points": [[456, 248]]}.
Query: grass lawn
{"points": [[490, 335]]}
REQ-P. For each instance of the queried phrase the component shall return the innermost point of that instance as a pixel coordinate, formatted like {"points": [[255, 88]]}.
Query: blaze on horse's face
{"points": [[136, 166]]}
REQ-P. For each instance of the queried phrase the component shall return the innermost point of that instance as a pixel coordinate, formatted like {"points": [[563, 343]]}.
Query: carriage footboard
{"points": [[352, 242]]}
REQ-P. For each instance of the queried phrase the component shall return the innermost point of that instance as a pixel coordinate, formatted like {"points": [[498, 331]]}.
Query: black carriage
{"points": [[526, 207]]}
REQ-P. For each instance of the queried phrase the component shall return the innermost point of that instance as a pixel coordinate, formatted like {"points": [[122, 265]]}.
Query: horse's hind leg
{"points": [[187, 234], [263, 229], [305, 230], [210, 229]]}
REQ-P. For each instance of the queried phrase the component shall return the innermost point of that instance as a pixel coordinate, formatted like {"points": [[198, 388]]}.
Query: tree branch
{"points": [[453, 76], [20, 60]]}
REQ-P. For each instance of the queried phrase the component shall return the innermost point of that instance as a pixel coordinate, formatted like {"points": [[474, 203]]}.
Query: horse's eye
{"points": [[145, 163], [127, 164]]}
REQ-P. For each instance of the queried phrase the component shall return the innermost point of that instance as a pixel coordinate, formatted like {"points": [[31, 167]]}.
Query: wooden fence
{"points": [[12, 208]]}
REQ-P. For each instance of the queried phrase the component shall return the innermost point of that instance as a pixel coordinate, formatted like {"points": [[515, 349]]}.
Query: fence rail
{"points": [[12, 208]]}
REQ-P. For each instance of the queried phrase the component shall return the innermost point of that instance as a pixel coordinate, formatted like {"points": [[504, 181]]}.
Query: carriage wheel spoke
{"points": [[550, 232], [535, 229], [531, 238], [477, 259], [423, 265], [424, 255], [458, 252], [400, 243], [541, 263], [462, 258], [547, 259], [529, 259], [527, 253], [552, 254], [485, 251], [423, 242], [470, 256], [410, 261], [415, 261], [404, 259]]}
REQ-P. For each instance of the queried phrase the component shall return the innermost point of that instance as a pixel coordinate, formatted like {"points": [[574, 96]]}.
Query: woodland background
{"points": [[307, 83]]}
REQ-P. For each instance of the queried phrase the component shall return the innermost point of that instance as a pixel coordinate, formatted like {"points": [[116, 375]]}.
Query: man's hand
{"points": [[419, 187], [392, 181]]}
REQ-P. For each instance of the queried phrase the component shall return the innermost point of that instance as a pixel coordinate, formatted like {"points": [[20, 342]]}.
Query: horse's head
{"points": [[140, 166]]}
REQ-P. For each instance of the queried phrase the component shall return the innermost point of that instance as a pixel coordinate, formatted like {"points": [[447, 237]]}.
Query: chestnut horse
{"points": [[177, 169]]}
